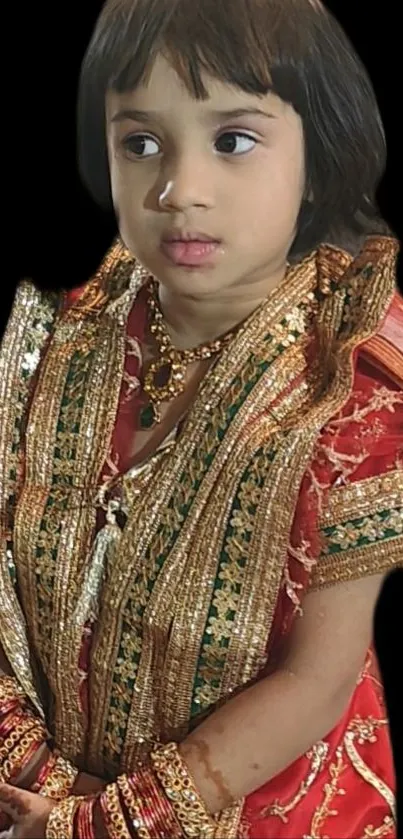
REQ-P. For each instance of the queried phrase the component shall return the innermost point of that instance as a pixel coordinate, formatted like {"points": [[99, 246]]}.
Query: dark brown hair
{"points": [[294, 48]]}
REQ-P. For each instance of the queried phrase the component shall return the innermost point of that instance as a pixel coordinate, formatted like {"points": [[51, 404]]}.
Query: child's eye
{"points": [[136, 142], [230, 142]]}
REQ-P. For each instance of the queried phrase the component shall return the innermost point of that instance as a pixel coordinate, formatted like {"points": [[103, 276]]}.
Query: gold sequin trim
{"points": [[356, 563], [363, 498], [22, 345], [160, 520]]}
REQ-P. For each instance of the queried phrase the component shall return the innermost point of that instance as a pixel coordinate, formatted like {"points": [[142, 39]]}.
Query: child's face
{"points": [[186, 168]]}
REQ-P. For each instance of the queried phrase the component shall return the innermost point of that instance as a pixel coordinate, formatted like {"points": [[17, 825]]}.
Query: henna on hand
{"points": [[28, 812], [15, 799], [201, 750]]}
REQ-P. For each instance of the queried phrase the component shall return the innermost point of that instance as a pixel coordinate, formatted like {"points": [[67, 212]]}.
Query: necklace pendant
{"points": [[149, 416], [165, 380]]}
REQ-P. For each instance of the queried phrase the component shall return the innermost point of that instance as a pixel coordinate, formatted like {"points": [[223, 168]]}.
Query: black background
{"points": [[52, 231]]}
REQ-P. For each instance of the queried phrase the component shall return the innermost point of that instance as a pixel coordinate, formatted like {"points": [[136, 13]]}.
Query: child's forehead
{"points": [[162, 73], [162, 87]]}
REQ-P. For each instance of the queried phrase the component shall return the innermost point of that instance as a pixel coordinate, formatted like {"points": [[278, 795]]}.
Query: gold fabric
{"points": [[182, 620]]}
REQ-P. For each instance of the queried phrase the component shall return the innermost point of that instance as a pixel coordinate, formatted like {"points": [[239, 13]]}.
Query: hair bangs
{"points": [[262, 49]]}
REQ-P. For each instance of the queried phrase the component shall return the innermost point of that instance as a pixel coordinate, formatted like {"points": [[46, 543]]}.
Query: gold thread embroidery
{"points": [[375, 528], [364, 729], [229, 823], [358, 562], [97, 417], [231, 540], [32, 529], [24, 339], [317, 755], [56, 503], [363, 498], [382, 397], [179, 701], [149, 653], [211, 394], [324, 811], [385, 829], [367, 774]]}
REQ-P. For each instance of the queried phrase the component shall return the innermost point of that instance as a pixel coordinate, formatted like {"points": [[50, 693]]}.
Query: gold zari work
{"points": [[182, 622], [361, 530]]}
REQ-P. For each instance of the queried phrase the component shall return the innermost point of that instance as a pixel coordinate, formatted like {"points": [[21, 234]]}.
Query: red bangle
{"points": [[21, 733], [18, 759], [29, 754], [156, 810], [11, 705], [10, 721], [84, 819], [113, 814], [45, 771]]}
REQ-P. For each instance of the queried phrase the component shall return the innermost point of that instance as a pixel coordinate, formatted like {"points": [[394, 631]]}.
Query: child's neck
{"points": [[193, 321]]}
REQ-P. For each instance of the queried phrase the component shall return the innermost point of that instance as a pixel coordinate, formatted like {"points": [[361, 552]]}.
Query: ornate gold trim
{"points": [[363, 498], [22, 344], [164, 518], [204, 570], [178, 473], [356, 563], [229, 823], [76, 398]]}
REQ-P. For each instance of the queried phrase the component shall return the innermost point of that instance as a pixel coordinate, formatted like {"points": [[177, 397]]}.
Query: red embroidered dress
{"points": [[347, 522]]}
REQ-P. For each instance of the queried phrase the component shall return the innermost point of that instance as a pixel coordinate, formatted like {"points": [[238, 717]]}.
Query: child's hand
{"points": [[28, 812]]}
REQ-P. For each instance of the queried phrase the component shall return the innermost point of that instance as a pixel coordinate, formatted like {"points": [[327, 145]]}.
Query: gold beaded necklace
{"points": [[166, 377]]}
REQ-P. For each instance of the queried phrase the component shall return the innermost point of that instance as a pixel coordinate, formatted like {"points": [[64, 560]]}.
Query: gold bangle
{"points": [[60, 781], [15, 759], [113, 814], [10, 689], [133, 807], [15, 735], [179, 788], [60, 824]]}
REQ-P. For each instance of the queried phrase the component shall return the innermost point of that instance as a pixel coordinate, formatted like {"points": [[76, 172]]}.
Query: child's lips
{"points": [[190, 252]]}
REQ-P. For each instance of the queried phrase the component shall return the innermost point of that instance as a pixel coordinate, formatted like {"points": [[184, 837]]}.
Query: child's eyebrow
{"points": [[209, 116]]}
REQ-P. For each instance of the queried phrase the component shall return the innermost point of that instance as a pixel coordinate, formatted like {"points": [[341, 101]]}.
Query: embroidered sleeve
{"points": [[361, 530], [358, 474], [348, 521]]}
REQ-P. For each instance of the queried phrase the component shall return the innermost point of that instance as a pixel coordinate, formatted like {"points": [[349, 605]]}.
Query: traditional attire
{"points": [[123, 624]]}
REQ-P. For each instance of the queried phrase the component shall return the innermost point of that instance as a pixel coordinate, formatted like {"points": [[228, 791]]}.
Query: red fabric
{"points": [[367, 443], [385, 349], [348, 450], [355, 804]]}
